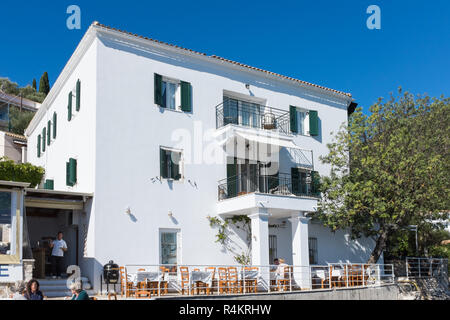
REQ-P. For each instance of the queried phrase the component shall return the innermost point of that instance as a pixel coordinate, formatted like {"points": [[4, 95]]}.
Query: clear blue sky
{"points": [[323, 42]]}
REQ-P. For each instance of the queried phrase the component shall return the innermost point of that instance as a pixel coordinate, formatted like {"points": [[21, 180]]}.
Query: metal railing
{"points": [[281, 184], [242, 113], [422, 267], [146, 281]]}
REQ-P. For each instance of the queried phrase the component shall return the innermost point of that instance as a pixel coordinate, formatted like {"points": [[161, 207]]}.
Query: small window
{"points": [[312, 250], [171, 94], [170, 164], [301, 116]]}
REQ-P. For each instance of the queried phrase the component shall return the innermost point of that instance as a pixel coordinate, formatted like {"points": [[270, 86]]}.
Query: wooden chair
{"points": [[141, 269], [184, 271], [251, 285], [285, 281], [210, 289], [142, 290], [164, 284], [125, 285], [223, 280], [233, 280]]}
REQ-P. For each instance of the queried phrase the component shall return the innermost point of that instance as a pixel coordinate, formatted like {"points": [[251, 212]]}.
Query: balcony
{"points": [[283, 184], [252, 115], [281, 194]]}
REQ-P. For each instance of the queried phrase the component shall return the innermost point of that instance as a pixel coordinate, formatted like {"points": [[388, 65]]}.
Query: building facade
{"points": [[164, 137]]}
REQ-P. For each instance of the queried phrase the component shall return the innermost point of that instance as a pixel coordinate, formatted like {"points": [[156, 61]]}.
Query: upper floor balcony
{"points": [[252, 115]]}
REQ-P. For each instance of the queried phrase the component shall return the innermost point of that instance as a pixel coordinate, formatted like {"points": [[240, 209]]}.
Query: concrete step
{"points": [[58, 282], [66, 293], [47, 288]]}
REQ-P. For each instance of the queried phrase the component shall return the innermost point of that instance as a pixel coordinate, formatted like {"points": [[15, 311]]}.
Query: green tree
{"points": [[20, 172], [44, 84], [389, 169], [19, 120], [34, 85]]}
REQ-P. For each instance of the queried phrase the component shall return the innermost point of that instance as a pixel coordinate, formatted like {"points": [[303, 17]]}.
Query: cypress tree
{"points": [[44, 85], [34, 84]]}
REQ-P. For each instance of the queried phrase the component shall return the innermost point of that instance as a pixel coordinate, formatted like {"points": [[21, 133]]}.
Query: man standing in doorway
{"points": [[58, 246]]}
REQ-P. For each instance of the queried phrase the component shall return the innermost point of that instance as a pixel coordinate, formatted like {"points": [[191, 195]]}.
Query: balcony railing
{"points": [[281, 184], [252, 115]]}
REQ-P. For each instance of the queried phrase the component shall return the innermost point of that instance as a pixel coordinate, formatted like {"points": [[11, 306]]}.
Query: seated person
{"points": [[77, 291]]}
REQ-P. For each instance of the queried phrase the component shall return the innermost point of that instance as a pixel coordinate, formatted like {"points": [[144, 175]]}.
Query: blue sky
{"points": [[323, 42]]}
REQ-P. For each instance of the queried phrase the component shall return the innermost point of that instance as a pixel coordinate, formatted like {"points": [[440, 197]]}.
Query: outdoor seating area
{"points": [[141, 282]]}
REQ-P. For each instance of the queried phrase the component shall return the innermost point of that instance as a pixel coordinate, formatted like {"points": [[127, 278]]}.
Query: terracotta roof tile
{"points": [[225, 60]]}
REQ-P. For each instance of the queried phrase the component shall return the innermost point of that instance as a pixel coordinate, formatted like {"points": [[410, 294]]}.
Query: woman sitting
{"points": [[33, 292], [77, 291]]}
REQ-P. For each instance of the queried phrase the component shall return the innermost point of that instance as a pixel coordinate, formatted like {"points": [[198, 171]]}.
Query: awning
{"points": [[270, 140], [50, 199]]}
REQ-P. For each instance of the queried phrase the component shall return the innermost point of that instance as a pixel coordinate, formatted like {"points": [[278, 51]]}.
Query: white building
{"points": [[124, 104]]}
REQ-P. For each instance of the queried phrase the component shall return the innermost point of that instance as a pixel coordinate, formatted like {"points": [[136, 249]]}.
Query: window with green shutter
{"points": [[49, 124], [186, 96], [313, 123], [69, 107], [43, 139], [54, 125], [158, 89], [293, 119], [49, 184], [39, 146], [71, 172], [78, 95]]}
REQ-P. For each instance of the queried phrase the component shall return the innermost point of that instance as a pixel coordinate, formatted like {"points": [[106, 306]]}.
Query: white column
{"points": [[300, 250], [260, 243]]}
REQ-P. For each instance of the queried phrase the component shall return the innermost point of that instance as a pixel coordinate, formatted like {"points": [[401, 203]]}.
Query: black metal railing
{"points": [[280, 184], [252, 115]]}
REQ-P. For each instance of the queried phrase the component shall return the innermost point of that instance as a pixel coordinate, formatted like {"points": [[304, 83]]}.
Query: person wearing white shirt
{"points": [[58, 246]]}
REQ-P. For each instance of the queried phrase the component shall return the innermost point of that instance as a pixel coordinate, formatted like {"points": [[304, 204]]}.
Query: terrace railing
{"points": [[146, 281], [281, 184], [242, 113]]}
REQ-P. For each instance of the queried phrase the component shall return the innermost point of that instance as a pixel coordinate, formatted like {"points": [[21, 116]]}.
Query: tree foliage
{"points": [[389, 169], [27, 92], [19, 120], [20, 172], [44, 84]]}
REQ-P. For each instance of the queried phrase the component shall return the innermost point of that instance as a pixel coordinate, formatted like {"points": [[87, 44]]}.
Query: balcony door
{"points": [[241, 112]]}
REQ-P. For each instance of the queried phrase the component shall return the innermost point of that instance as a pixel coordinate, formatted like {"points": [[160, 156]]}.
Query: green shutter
{"points": [[175, 166], [39, 146], [49, 124], [72, 171], [232, 179], [163, 163], [78, 97], [293, 119], [43, 139], [68, 174], [186, 98], [49, 185], [54, 125], [315, 183], [69, 107], [295, 176], [158, 89], [313, 123]]}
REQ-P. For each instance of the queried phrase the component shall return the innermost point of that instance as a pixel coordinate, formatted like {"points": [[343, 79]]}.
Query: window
{"points": [[170, 95], [272, 248], [170, 164], [169, 247], [312, 242], [301, 116], [7, 225], [71, 172], [241, 112]]}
